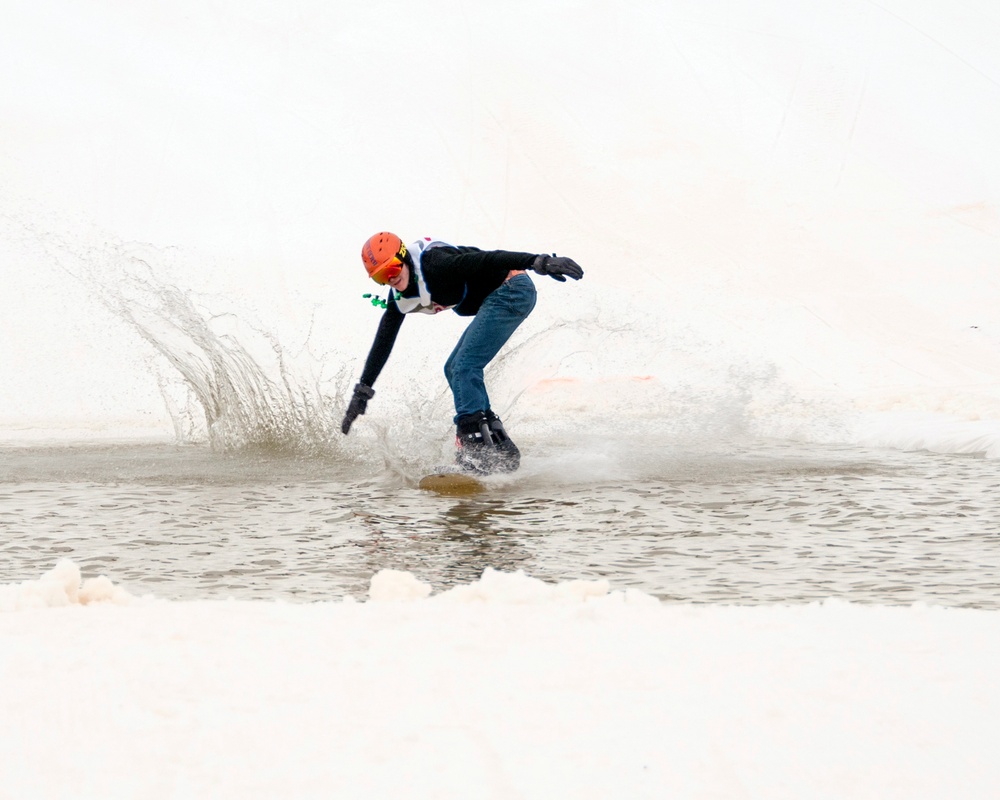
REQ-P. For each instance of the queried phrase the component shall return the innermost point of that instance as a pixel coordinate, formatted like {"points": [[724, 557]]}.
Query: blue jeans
{"points": [[498, 317]]}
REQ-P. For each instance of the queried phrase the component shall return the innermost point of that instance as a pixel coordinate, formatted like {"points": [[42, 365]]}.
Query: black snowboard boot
{"points": [[507, 455], [476, 452]]}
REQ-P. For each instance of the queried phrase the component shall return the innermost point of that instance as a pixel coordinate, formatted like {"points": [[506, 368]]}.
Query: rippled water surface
{"points": [[741, 524]]}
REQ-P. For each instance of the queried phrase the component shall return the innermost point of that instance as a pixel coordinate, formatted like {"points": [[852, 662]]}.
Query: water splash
{"points": [[224, 380], [250, 399]]}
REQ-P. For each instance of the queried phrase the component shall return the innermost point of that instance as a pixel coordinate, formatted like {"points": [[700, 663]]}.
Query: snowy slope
{"points": [[805, 190]]}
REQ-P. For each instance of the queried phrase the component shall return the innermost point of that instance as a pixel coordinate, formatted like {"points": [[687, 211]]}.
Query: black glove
{"points": [[358, 404], [558, 267]]}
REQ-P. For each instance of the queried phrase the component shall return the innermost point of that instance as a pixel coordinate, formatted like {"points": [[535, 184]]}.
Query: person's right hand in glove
{"points": [[357, 406], [557, 267]]}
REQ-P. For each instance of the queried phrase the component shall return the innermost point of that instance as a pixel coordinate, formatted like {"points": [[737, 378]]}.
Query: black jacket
{"points": [[455, 276]]}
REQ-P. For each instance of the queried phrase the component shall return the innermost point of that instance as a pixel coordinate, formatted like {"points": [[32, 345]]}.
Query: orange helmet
{"points": [[383, 256]]}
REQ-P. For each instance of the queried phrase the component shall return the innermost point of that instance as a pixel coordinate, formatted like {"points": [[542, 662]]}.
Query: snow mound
{"points": [[390, 585], [502, 588], [61, 586]]}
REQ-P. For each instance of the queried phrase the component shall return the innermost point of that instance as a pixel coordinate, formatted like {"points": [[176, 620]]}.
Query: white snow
{"points": [[506, 687]]}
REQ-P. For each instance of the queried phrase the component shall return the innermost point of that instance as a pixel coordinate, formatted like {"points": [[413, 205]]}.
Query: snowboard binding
{"points": [[483, 446]]}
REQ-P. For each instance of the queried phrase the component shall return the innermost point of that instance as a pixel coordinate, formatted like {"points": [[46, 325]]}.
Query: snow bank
{"points": [[934, 432], [505, 687]]}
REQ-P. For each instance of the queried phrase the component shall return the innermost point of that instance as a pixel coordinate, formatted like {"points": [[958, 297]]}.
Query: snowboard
{"points": [[451, 481]]}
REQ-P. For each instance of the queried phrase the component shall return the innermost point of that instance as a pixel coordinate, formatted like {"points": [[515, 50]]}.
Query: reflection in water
{"points": [[452, 547], [745, 526]]}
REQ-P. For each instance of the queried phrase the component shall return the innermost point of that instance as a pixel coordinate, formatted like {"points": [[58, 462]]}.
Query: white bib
{"points": [[422, 303]]}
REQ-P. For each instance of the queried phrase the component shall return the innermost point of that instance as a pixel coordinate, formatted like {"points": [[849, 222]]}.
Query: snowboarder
{"points": [[493, 287]]}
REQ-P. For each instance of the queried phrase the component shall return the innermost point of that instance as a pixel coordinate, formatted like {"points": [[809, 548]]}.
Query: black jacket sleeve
{"points": [[385, 338]]}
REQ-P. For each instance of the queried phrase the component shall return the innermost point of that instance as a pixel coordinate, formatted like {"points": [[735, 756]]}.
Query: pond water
{"points": [[773, 522]]}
